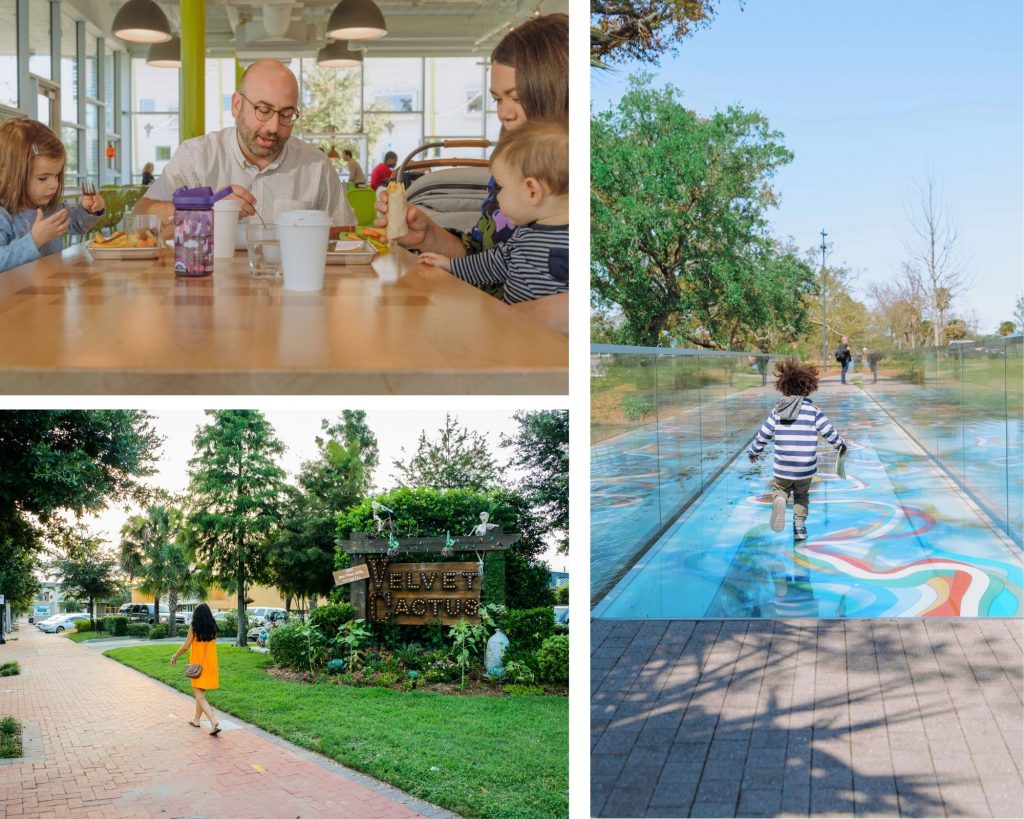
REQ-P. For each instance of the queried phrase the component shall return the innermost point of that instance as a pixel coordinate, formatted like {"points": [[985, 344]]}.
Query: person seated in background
{"points": [[531, 170], [258, 159], [147, 174], [355, 170], [382, 172]]}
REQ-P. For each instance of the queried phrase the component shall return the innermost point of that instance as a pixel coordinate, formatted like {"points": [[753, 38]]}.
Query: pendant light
{"points": [[338, 55], [333, 153], [356, 20], [165, 55], [141, 21]]}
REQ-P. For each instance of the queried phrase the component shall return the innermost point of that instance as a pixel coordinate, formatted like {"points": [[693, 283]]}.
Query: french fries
{"points": [[120, 239]]}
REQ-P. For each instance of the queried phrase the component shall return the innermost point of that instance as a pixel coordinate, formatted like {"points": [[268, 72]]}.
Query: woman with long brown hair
{"points": [[529, 80], [201, 645]]}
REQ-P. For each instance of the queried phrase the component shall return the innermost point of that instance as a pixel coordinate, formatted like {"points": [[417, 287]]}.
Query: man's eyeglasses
{"points": [[286, 116]]}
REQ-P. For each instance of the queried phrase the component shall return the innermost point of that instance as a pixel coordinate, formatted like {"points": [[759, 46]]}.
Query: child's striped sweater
{"points": [[796, 440]]}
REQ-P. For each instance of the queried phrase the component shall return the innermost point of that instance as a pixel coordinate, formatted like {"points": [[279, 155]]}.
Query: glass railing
{"points": [[964, 405], [664, 424]]}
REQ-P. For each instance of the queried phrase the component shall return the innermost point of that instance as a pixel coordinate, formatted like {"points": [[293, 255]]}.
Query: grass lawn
{"points": [[82, 636], [502, 757]]}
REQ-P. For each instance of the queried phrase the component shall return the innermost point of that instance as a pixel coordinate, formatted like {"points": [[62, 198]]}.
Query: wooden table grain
{"points": [[73, 325]]}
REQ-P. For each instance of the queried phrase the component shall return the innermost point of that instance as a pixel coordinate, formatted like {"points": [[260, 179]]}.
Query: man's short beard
{"points": [[249, 138]]}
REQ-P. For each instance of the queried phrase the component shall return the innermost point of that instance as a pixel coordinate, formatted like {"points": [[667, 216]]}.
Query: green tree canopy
{"points": [[235, 492], [456, 459], [55, 461], [302, 553], [541, 449], [1006, 328], [90, 572], [425, 512], [144, 540], [681, 242]]}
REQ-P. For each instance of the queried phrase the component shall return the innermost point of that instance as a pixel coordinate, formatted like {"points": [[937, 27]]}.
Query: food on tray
{"points": [[397, 228], [120, 239], [374, 236]]}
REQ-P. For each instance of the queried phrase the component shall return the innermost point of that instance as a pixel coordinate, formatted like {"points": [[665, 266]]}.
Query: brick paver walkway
{"points": [[807, 718], [106, 741]]}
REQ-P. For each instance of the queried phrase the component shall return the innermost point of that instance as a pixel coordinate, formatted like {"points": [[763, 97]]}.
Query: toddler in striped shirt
{"points": [[795, 423], [531, 169]]}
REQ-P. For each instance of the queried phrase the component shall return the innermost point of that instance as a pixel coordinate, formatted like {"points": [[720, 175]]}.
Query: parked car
{"points": [[266, 614], [63, 622], [144, 612]]}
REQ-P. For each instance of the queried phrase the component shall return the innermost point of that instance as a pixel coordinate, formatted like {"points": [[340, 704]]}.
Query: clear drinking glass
{"points": [[264, 250]]}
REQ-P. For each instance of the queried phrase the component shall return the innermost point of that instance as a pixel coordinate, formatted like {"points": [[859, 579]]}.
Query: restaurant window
{"points": [[109, 81], [8, 53], [69, 136], [401, 133], [331, 99], [155, 121], [92, 54], [68, 68], [92, 141], [454, 101], [39, 48], [393, 84]]}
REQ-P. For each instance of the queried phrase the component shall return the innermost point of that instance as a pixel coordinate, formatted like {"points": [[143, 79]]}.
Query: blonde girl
{"points": [[32, 216]]}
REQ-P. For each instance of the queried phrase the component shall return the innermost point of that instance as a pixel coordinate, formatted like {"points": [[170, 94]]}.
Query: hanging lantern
{"points": [[111, 151], [333, 153]]}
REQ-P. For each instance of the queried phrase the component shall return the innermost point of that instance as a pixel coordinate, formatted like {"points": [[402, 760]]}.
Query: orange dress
{"points": [[206, 655]]}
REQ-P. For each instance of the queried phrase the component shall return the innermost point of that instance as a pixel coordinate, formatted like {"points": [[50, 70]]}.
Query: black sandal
{"points": [[194, 724], [215, 731]]}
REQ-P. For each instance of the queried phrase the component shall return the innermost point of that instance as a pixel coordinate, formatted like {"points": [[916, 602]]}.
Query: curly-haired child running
{"points": [[795, 423]]}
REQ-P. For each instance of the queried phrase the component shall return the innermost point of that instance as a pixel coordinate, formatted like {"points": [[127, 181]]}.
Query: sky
{"points": [[297, 429], [872, 97]]}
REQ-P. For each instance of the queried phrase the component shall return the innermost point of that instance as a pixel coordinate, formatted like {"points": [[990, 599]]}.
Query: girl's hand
{"points": [[94, 204], [174, 660], [418, 222], [48, 229], [436, 260]]}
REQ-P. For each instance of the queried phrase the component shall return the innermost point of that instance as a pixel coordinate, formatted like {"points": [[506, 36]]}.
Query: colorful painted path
{"points": [[896, 538]]}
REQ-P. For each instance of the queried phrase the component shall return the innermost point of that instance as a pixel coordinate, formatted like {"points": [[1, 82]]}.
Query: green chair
{"points": [[361, 200]]}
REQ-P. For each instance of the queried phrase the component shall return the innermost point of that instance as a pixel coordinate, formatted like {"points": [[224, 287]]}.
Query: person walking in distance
{"points": [[201, 644], [844, 356]]}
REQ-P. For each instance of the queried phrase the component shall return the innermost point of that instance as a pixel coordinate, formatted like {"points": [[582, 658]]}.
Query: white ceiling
{"points": [[415, 27]]}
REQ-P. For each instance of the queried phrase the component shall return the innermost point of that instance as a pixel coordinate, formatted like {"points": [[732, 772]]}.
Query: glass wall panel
{"points": [[69, 136], [220, 85], [113, 125], [40, 60], [92, 142], [92, 79], [156, 138], [392, 132], [68, 68], [454, 100], [8, 53]]}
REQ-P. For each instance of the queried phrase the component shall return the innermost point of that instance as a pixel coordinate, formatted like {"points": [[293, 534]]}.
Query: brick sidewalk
{"points": [[106, 741], [807, 718]]}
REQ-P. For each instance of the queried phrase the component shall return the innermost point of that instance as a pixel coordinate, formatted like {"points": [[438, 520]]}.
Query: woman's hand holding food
{"points": [[48, 229], [418, 222]]}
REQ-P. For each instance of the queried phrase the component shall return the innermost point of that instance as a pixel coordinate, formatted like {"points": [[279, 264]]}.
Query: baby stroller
{"points": [[450, 190]]}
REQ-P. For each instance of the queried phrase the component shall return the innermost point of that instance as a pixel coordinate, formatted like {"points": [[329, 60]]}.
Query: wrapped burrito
{"points": [[397, 227]]}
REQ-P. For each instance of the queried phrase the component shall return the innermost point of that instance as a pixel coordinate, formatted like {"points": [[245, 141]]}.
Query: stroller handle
{"points": [[444, 143]]}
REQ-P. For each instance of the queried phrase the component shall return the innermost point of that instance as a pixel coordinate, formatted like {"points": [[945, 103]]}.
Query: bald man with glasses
{"points": [[268, 171]]}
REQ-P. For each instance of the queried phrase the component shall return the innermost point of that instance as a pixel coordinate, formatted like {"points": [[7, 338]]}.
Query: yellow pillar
{"points": [[239, 71], [193, 69]]}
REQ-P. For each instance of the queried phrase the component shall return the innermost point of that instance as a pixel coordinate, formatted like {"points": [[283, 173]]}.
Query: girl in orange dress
{"points": [[202, 646]]}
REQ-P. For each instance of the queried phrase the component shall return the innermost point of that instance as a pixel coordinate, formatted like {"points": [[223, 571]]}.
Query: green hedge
{"points": [[158, 632], [116, 625], [329, 618], [527, 629], [553, 659], [292, 645], [138, 629], [83, 625]]}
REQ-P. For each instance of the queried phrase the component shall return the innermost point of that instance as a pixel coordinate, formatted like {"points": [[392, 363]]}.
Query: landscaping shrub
{"points": [[101, 623], [158, 632], [517, 671], [138, 629], [562, 595], [117, 625], [10, 669], [328, 618], [528, 628], [335, 666], [83, 625], [9, 726], [441, 667], [299, 646], [412, 656], [10, 738], [553, 659]]}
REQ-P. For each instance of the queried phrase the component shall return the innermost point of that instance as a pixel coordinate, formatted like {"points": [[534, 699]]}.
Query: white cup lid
{"points": [[303, 218], [227, 204]]}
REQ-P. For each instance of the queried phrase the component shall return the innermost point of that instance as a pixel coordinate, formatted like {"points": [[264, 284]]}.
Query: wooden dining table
{"points": [[71, 324]]}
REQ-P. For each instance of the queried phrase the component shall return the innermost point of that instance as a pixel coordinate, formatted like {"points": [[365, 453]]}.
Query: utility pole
{"points": [[824, 300]]}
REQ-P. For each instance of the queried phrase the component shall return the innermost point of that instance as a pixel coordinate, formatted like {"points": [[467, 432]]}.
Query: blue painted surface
{"points": [[895, 539]]}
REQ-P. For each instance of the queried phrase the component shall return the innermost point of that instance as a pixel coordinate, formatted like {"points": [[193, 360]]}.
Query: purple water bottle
{"points": [[193, 230]]}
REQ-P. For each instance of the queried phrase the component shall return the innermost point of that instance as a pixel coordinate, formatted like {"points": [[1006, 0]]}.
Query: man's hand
{"points": [[245, 199], [48, 229]]}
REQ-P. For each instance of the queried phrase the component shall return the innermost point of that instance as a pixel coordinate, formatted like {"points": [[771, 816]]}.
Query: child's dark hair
{"points": [[21, 141], [794, 378], [204, 627], [538, 149]]}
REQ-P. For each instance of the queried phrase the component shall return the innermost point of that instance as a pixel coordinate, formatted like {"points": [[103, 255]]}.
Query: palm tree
{"points": [[144, 540], [182, 575]]}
